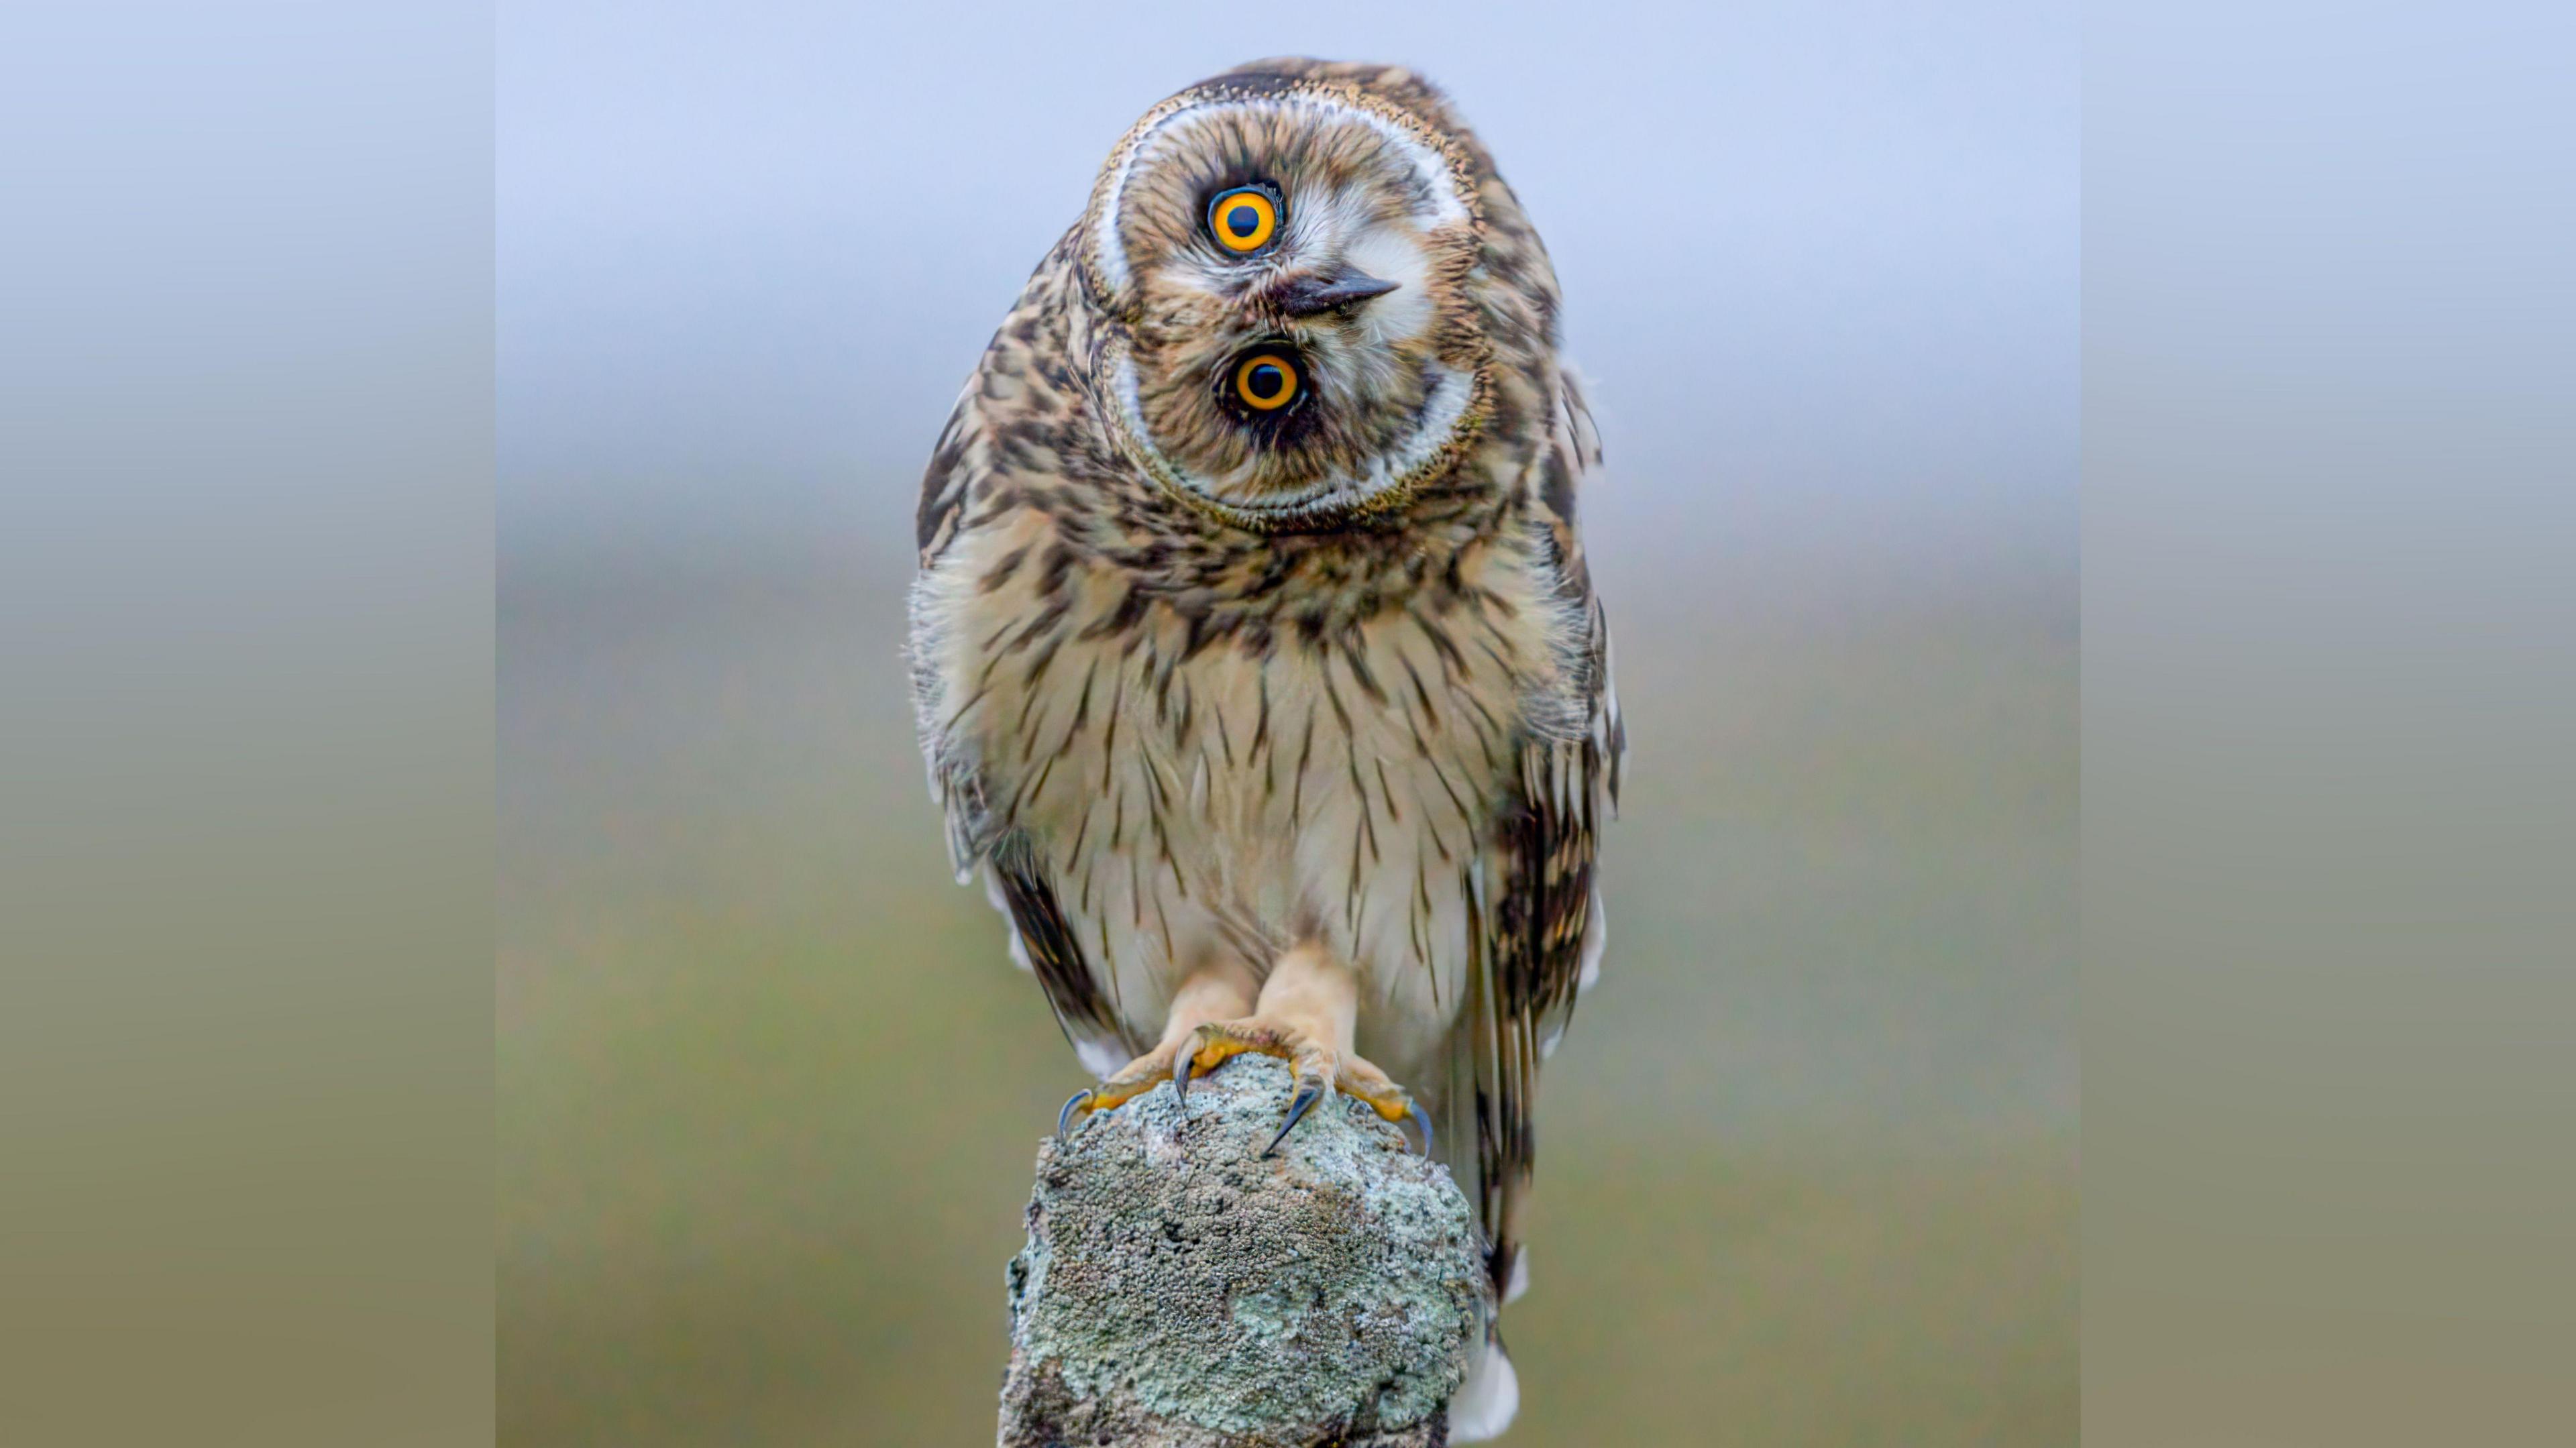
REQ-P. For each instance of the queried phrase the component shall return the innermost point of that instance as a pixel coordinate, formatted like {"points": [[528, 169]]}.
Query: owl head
{"points": [[1287, 258]]}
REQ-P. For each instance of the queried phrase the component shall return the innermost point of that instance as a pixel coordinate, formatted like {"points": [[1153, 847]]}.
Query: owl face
{"points": [[1285, 266]]}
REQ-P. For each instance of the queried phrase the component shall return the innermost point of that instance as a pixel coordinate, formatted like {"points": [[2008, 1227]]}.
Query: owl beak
{"points": [[1310, 295]]}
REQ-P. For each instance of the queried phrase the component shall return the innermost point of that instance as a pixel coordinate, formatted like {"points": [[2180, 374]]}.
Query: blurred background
{"points": [[769, 1089]]}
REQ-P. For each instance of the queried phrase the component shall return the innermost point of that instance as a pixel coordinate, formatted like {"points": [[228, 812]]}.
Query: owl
{"points": [[1258, 669]]}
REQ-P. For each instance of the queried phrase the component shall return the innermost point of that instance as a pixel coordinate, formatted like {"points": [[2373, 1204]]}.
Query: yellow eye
{"points": [[1243, 220], [1266, 381]]}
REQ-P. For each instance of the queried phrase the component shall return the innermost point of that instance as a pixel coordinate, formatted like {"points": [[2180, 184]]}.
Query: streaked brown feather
{"points": [[1507, 740]]}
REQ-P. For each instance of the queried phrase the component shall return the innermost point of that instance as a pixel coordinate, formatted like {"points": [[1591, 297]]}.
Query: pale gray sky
{"points": [[1820, 261]]}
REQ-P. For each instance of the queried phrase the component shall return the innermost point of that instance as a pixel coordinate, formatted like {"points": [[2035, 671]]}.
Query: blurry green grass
{"points": [[769, 1088]]}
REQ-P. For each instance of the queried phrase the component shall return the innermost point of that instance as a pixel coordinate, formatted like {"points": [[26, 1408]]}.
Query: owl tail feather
{"points": [[1485, 1403]]}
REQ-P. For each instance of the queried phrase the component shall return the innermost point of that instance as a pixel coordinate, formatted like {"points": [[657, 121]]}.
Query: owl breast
{"points": [[1234, 776]]}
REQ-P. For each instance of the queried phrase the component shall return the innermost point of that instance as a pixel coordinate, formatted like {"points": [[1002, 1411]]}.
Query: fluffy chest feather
{"points": [[1316, 772]]}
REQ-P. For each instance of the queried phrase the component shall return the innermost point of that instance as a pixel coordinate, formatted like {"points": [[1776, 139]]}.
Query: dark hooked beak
{"points": [[1307, 296]]}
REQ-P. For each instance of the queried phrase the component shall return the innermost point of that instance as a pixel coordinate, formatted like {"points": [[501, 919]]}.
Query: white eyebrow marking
{"points": [[1451, 391], [1438, 182]]}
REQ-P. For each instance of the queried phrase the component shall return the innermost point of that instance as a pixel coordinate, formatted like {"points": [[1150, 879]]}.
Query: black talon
{"points": [[1415, 1114], [1296, 1109], [1181, 1077], [1065, 1116]]}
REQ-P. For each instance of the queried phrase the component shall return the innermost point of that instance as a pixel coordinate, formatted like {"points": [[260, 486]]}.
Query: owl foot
{"points": [[1133, 1080], [1319, 1067]]}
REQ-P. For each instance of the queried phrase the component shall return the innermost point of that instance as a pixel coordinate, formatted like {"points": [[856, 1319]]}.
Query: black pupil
{"points": [[1266, 380], [1242, 220]]}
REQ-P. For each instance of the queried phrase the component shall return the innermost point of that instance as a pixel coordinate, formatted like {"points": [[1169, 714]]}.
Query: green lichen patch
{"points": [[1173, 1274]]}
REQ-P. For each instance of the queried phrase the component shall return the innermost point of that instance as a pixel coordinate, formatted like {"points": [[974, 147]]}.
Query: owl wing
{"points": [[1535, 922], [1016, 877]]}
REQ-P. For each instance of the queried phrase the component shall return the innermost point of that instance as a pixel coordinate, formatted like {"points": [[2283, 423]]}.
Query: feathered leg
{"points": [[1308, 1016], [1214, 992]]}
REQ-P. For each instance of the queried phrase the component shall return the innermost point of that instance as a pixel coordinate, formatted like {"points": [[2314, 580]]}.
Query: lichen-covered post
{"points": [[1179, 1290]]}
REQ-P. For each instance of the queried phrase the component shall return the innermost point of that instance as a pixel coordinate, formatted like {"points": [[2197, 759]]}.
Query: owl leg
{"points": [[1212, 993], [1308, 1015]]}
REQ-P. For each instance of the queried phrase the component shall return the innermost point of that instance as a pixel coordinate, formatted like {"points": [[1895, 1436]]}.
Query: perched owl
{"points": [[1259, 672]]}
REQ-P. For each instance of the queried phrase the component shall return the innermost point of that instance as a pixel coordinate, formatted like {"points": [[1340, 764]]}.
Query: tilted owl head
{"points": [[1288, 257]]}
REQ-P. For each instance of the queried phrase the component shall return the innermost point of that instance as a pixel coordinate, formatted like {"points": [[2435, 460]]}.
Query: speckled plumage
{"points": [[1193, 684]]}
